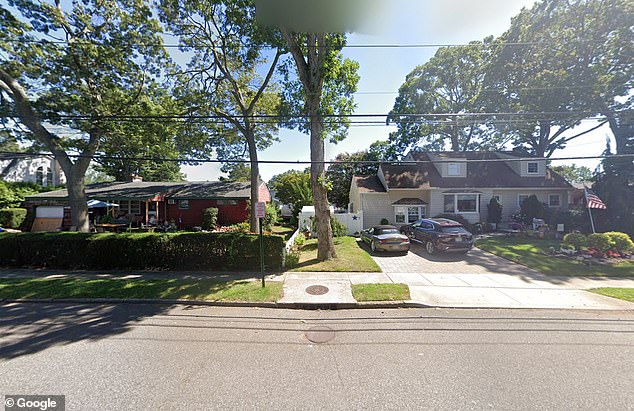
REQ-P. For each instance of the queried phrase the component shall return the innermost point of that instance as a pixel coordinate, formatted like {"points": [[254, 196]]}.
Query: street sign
{"points": [[260, 209]]}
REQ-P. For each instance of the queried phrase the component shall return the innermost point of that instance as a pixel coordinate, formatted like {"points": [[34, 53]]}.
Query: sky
{"points": [[383, 70]]}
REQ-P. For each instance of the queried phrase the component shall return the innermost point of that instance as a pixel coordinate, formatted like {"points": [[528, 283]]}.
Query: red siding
{"points": [[227, 214]]}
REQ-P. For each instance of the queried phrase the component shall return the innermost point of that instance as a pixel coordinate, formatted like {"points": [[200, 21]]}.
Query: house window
{"points": [[533, 167], [183, 204], [453, 169], [408, 215], [129, 207], [554, 200], [39, 176], [49, 177], [521, 198], [226, 202], [450, 203], [461, 203]]}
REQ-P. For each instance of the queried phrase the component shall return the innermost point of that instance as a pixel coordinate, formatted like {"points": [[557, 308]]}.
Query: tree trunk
{"points": [[325, 244], [77, 200], [255, 178]]}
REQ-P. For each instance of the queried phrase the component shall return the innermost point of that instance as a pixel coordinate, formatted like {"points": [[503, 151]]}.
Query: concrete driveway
{"points": [[475, 261]]}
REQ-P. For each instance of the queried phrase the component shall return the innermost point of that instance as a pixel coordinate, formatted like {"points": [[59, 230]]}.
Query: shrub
{"points": [[459, 218], [576, 240], [338, 228], [571, 219], [600, 241], [271, 217], [299, 241], [494, 211], [532, 208], [210, 218], [385, 221], [182, 251], [621, 242], [291, 260], [12, 217]]}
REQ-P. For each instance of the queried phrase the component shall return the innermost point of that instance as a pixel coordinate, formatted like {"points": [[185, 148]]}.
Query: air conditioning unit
{"points": [[171, 201]]}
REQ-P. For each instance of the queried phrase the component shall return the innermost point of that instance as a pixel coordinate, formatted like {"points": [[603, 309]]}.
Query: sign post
{"points": [[260, 213]]}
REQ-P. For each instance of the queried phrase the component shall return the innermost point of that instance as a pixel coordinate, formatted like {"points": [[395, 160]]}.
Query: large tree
{"points": [[558, 64], [438, 105], [223, 79], [320, 85], [347, 165], [293, 187], [78, 66]]}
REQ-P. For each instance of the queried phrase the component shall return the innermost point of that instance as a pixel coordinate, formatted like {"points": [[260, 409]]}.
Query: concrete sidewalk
{"points": [[464, 290], [529, 290]]}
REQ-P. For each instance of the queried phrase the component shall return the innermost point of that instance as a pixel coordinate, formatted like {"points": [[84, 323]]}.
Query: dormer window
{"points": [[533, 167], [453, 169]]}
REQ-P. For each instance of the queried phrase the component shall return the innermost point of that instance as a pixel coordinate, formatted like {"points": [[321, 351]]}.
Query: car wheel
{"points": [[430, 247], [373, 247]]}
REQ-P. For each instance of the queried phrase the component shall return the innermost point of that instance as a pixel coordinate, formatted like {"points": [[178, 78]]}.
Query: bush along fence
{"points": [[12, 217], [186, 251]]}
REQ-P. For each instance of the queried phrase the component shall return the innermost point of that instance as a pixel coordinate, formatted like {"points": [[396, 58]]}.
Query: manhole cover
{"points": [[320, 335], [317, 290]]}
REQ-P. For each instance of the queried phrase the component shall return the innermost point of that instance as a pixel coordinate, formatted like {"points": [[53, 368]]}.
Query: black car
{"points": [[440, 234]]}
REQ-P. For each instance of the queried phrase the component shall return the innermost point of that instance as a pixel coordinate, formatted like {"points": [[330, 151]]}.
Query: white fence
{"points": [[352, 221]]}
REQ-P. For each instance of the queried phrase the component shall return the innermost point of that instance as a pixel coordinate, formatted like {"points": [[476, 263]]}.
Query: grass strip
{"points": [[380, 292], [626, 294], [533, 253], [351, 257], [207, 290]]}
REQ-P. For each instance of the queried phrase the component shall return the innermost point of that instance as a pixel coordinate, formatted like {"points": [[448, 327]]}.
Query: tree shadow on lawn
{"points": [[28, 328]]}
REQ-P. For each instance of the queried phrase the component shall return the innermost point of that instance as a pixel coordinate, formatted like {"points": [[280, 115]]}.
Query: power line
{"points": [[402, 162]]}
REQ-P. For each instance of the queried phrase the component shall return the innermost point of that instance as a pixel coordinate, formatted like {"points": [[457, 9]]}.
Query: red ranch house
{"points": [[144, 202]]}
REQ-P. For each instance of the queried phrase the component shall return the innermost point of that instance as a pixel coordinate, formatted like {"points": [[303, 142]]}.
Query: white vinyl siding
{"points": [[376, 207]]}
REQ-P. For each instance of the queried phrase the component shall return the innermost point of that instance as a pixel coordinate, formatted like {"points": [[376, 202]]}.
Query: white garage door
{"points": [[49, 212]]}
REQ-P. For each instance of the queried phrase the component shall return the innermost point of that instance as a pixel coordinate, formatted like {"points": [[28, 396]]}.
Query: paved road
{"points": [[158, 357]]}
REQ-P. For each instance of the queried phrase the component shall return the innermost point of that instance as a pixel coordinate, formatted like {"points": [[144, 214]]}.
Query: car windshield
{"points": [[453, 229], [383, 231]]}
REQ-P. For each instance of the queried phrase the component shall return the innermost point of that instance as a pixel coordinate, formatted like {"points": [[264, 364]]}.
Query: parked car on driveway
{"points": [[440, 234], [385, 238]]}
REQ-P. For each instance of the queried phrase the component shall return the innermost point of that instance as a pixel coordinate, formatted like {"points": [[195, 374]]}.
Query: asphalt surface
{"points": [[185, 357]]}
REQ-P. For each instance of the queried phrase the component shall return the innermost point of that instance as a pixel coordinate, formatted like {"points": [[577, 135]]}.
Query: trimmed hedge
{"points": [[176, 251], [577, 240], [12, 217]]}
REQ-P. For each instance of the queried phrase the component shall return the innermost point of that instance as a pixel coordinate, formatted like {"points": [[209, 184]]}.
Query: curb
{"points": [[292, 306]]}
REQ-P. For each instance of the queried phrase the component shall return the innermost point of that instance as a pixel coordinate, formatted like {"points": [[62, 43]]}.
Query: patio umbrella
{"points": [[100, 204]]}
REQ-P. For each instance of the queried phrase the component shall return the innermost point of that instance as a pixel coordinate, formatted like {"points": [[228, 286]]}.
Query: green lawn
{"points": [[626, 294], [380, 292], [208, 290], [350, 257], [532, 253], [283, 230]]}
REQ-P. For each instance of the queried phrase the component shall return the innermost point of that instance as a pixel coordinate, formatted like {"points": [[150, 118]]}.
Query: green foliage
{"points": [[532, 208], [600, 241], [299, 241], [452, 81], [182, 251], [615, 187], [293, 187], [271, 217], [12, 217], [291, 260], [576, 240], [589, 44], [12, 194], [571, 219], [621, 242], [385, 221], [210, 218], [573, 173], [340, 174], [494, 211], [338, 229]]}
